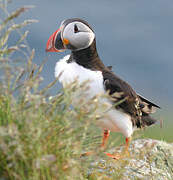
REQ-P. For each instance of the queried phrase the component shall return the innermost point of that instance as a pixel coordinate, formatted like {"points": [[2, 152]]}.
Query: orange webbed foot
{"points": [[115, 156], [125, 153]]}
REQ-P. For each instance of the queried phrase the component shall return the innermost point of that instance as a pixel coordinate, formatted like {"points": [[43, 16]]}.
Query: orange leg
{"points": [[105, 137], [124, 153], [127, 144], [104, 140]]}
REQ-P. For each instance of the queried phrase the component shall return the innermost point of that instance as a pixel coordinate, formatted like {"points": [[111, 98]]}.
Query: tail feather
{"points": [[148, 120]]}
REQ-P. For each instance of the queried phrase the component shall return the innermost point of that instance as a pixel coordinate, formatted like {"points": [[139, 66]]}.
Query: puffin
{"points": [[84, 64]]}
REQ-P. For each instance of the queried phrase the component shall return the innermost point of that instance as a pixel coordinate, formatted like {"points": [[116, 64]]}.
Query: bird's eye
{"points": [[76, 29]]}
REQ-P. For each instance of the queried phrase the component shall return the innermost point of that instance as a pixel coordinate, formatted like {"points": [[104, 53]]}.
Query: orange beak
{"points": [[54, 39]]}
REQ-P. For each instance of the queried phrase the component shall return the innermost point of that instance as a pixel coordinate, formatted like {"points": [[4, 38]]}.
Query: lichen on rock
{"points": [[149, 159]]}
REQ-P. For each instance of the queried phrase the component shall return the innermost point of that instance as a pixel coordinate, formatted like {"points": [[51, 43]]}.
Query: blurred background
{"points": [[135, 37]]}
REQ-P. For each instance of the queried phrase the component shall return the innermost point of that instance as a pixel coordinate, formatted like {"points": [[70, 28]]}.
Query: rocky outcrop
{"points": [[149, 159]]}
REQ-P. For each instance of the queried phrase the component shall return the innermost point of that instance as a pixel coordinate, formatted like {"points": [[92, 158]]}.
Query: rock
{"points": [[149, 159]]}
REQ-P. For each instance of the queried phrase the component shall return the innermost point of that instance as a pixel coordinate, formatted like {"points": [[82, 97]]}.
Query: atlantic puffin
{"points": [[85, 64]]}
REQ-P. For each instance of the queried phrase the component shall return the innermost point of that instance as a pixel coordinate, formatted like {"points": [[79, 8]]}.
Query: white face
{"points": [[79, 35]]}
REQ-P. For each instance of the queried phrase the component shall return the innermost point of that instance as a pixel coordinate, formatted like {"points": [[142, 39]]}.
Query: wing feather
{"points": [[135, 105], [147, 106]]}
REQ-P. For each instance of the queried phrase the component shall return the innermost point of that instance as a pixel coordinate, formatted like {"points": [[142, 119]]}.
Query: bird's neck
{"points": [[88, 57]]}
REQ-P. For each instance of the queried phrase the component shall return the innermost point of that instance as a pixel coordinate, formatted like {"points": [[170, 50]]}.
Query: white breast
{"points": [[69, 72], [114, 120]]}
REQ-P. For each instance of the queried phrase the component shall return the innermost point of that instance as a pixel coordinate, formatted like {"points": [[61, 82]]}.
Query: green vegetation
{"points": [[42, 137]]}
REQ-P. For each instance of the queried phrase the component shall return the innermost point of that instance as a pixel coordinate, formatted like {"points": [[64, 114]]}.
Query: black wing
{"points": [[148, 107], [119, 90], [135, 105]]}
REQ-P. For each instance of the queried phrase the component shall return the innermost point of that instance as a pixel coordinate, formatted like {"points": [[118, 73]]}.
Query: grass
{"points": [[42, 137]]}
